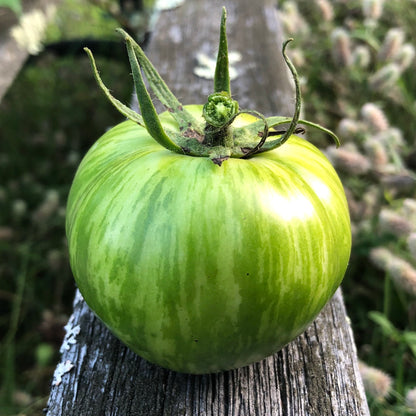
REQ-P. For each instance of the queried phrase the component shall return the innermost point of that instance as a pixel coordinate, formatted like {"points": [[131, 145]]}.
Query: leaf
{"points": [[410, 338], [14, 5], [388, 329]]}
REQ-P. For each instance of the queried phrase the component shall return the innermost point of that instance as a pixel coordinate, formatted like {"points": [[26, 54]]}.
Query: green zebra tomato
{"points": [[201, 268], [199, 250]]}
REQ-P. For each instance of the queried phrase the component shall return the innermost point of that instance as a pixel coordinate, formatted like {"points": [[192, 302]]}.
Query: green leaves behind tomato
{"points": [[201, 268]]}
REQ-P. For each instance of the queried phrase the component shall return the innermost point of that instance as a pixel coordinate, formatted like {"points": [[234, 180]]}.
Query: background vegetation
{"points": [[358, 66], [49, 118]]}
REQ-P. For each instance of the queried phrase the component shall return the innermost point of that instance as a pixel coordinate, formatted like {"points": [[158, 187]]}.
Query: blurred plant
{"points": [[376, 383], [31, 29], [136, 16], [133, 15], [411, 400], [366, 91], [42, 141], [403, 341], [75, 19], [14, 5]]}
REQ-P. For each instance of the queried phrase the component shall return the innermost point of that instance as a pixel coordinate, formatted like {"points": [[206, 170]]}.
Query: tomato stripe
{"points": [[173, 252]]}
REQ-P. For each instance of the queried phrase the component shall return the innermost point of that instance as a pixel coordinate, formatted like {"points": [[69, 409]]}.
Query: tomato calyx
{"points": [[218, 137]]}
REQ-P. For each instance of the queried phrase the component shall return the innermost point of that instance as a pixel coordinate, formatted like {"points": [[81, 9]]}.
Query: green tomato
{"points": [[201, 268]]}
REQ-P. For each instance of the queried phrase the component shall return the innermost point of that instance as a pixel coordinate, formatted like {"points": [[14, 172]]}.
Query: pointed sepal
{"points": [[123, 109], [254, 130], [222, 74], [149, 114], [184, 119]]}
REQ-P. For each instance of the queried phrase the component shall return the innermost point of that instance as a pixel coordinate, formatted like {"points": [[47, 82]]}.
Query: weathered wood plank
{"points": [[13, 51], [317, 374]]}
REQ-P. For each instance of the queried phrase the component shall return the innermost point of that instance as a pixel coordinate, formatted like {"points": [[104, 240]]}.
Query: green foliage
{"points": [[15, 5], [48, 119], [77, 19], [404, 339]]}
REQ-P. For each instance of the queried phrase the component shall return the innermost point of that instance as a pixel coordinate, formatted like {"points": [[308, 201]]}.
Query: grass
{"points": [[54, 112]]}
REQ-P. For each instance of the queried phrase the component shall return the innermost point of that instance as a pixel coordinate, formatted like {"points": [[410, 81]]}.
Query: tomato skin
{"points": [[201, 268]]}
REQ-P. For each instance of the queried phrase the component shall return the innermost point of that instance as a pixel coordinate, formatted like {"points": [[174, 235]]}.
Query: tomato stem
{"points": [[219, 112], [220, 109]]}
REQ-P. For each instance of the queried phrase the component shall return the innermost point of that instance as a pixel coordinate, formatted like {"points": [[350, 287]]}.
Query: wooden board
{"points": [[317, 374], [14, 50]]}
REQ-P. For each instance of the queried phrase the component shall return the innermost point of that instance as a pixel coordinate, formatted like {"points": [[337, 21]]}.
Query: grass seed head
{"points": [[377, 383]]}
